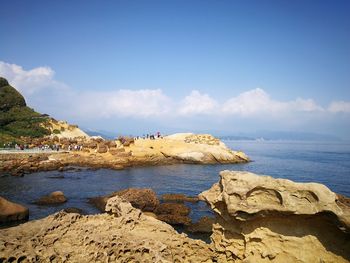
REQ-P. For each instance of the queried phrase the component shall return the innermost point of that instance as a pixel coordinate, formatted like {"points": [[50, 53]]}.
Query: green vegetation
{"points": [[16, 119], [55, 131]]}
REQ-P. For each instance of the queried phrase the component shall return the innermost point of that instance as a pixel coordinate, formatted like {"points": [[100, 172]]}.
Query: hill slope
{"points": [[17, 120]]}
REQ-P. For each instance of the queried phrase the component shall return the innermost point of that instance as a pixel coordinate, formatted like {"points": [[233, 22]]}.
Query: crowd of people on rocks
{"points": [[76, 147], [52, 147], [151, 136]]}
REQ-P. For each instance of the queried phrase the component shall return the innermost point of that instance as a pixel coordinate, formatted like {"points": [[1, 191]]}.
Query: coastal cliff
{"points": [[262, 219]]}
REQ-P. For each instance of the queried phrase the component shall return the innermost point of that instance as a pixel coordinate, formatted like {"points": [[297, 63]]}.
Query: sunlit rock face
{"points": [[261, 219], [125, 234]]}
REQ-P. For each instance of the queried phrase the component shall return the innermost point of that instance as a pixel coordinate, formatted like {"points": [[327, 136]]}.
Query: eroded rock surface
{"points": [[124, 235], [260, 219]]}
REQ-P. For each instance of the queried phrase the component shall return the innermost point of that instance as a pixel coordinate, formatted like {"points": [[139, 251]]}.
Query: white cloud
{"points": [[339, 106], [125, 103], [48, 95], [257, 102], [30, 81], [197, 103]]}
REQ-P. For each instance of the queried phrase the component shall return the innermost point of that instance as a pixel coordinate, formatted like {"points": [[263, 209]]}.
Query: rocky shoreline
{"points": [[120, 154], [258, 219]]}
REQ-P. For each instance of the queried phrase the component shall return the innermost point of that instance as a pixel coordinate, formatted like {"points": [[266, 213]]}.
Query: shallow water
{"points": [[327, 163]]}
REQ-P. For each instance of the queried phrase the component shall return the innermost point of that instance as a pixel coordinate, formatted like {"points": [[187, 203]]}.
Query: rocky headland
{"points": [[120, 153], [258, 219], [25, 128]]}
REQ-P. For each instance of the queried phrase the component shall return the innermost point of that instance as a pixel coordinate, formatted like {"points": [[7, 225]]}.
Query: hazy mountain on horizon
{"points": [[282, 136]]}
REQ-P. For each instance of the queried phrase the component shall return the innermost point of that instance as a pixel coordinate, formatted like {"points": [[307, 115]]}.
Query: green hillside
{"points": [[16, 119]]}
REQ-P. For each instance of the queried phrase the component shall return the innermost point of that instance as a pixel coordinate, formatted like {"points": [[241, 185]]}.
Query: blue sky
{"points": [[182, 65]]}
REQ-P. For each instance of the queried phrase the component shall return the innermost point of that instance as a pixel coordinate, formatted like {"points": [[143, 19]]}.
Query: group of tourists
{"points": [[75, 147], [151, 136]]}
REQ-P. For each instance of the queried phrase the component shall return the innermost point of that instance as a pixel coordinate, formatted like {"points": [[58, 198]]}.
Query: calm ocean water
{"points": [[327, 163]]}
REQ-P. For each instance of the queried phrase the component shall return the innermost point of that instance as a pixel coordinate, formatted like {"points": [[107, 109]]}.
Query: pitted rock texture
{"points": [[262, 219], [125, 235]]}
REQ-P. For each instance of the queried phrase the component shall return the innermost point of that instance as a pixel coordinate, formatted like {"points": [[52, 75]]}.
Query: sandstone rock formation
{"points": [[124, 235], [179, 198], [97, 153], [263, 219], [186, 148], [54, 198], [173, 213], [141, 198], [146, 200], [11, 212]]}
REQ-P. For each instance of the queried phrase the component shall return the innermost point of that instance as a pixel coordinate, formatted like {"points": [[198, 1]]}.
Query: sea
{"points": [[301, 161]]}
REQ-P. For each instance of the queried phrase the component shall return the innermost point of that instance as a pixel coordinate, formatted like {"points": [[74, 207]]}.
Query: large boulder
{"points": [[173, 213], [11, 212], [260, 218], [54, 198], [141, 198]]}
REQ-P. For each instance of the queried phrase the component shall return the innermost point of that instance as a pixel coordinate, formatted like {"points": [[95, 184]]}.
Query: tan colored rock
{"points": [[102, 148], [66, 130], [126, 235], [187, 148], [11, 212], [56, 197], [141, 198], [265, 219]]}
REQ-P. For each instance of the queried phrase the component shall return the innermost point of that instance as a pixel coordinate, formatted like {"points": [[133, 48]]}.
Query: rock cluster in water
{"points": [[145, 199]]}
